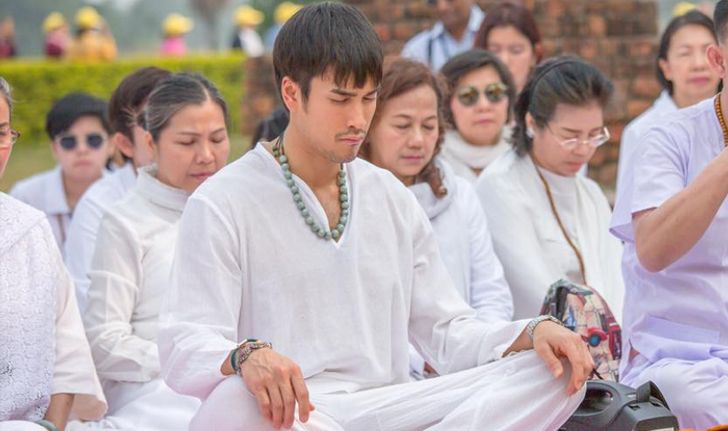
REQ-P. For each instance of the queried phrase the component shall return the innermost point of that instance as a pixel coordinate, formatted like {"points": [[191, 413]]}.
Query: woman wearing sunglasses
{"points": [[547, 222], [185, 122], [405, 138], [480, 94], [46, 371], [78, 127]]}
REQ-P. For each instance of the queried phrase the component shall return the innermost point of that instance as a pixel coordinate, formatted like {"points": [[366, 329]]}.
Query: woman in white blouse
{"points": [[405, 138], [185, 119], [46, 370], [479, 131], [547, 222], [683, 73]]}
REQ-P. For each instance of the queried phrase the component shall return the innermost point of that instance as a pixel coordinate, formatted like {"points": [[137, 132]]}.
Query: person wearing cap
{"points": [[56, 37], [93, 41], [283, 13], [246, 38], [175, 27], [453, 33]]}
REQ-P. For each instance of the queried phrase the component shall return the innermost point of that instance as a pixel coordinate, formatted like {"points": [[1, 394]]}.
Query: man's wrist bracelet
{"points": [[50, 426], [241, 353], [533, 323]]}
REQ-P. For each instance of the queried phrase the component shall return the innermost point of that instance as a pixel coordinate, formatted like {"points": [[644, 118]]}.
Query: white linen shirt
{"points": [[81, 238], [129, 275], [247, 265]]}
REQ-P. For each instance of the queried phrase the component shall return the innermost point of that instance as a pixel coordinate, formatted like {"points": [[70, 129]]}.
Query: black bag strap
{"points": [[647, 390]]}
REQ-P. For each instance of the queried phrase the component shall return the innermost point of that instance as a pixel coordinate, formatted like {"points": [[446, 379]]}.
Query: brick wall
{"points": [[618, 36]]}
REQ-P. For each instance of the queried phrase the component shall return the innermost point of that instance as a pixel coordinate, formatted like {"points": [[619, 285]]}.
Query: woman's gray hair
{"points": [[6, 93], [175, 93]]}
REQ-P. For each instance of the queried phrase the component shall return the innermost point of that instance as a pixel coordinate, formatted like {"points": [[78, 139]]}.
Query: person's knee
{"points": [[230, 406], [685, 390]]}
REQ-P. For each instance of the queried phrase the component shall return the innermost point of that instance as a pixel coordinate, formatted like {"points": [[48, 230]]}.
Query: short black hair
{"points": [[130, 95], [324, 35], [469, 61], [70, 108], [567, 80], [720, 19], [693, 17]]}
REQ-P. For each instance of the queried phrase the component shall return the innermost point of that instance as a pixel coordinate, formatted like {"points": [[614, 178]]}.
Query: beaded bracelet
{"points": [[247, 348]]}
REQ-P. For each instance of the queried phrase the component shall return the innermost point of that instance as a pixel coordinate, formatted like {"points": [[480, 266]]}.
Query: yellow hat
{"points": [[87, 18], [247, 15], [285, 11], [53, 21], [682, 8], [176, 24]]}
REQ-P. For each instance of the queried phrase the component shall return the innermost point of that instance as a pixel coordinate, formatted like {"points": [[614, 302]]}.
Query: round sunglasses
{"points": [[494, 92], [93, 141]]}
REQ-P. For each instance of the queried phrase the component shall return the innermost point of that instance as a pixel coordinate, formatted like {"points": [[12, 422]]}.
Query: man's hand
{"points": [[552, 341], [277, 383]]}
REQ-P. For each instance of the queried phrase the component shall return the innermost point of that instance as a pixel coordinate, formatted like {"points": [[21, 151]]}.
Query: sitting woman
{"points": [[510, 32], [185, 119], [404, 138], [547, 222], [78, 127], [46, 371], [685, 76], [480, 96]]}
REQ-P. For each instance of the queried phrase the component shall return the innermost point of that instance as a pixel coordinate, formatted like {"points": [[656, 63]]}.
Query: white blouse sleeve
{"points": [[116, 274], [490, 295], [195, 340], [74, 371], [443, 328]]}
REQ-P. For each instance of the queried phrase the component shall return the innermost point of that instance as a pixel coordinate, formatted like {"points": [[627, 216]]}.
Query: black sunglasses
{"points": [[494, 92], [93, 140]]}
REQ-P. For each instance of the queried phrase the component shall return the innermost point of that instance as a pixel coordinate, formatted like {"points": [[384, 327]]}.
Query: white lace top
{"points": [[43, 348]]}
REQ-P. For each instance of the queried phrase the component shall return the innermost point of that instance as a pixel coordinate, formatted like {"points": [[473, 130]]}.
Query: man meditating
{"points": [[301, 273]]}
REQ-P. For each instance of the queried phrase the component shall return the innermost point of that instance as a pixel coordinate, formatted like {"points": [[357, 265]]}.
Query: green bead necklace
{"points": [[321, 232]]}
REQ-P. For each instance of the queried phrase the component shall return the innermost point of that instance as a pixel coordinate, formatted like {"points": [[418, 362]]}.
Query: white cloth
{"points": [[463, 237], [39, 356], [634, 132], [45, 191], [435, 46], [465, 158], [482, 398], [81, 238], [129, 275], [529, 242], [251, 42], [677, 316], [343, 311]]}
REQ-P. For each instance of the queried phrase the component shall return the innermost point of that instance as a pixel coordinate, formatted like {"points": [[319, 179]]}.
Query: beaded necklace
{"points": [[719, 112], [321, 232]]}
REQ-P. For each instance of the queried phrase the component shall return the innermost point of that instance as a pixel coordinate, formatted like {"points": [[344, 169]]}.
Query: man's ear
{"points": [[291, 94], [716, 60]]}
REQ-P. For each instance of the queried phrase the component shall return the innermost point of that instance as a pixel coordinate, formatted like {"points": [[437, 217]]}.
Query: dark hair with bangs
{"points": [[400, 76], [70, 108], [324, 35], [693, 17], [559, 80], [505, 15]]}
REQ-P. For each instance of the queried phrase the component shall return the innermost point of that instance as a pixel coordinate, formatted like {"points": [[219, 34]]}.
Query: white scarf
{"points": [[466, 159]]}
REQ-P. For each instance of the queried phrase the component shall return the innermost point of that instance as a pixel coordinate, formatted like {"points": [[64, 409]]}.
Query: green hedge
{"points": [[38, 83]]}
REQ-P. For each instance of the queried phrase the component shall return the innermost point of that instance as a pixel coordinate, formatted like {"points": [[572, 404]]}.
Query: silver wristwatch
{"points": [[533, 323]]}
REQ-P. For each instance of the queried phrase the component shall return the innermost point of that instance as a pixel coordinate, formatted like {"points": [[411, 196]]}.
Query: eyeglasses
{"points": [[494, 92], [93, 140], [594, 141], [8, 138]]}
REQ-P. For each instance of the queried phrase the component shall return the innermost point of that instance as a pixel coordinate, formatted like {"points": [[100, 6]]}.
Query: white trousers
{"points": [[150, 406], [20, 426], [696, 391], [515, 393]]}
